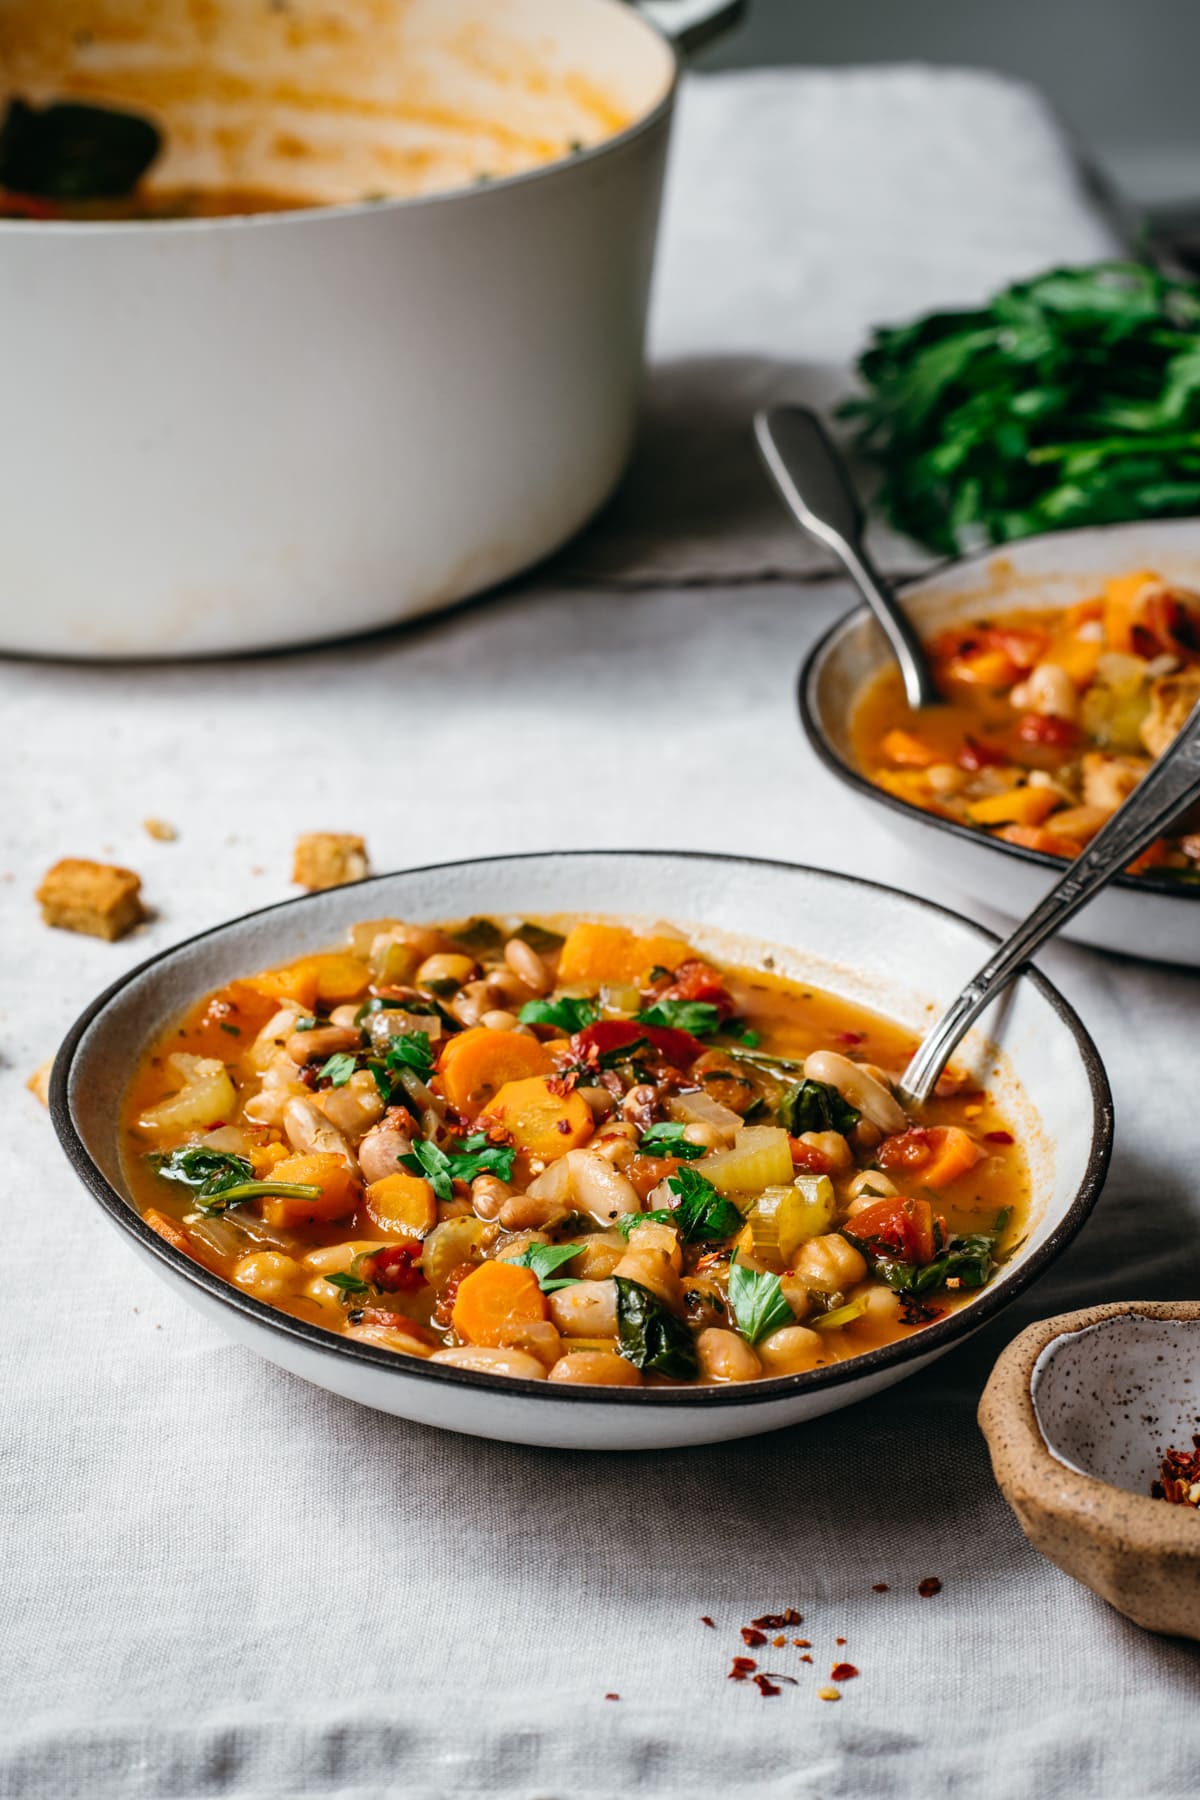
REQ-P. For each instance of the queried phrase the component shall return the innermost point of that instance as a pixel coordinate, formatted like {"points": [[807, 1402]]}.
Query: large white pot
{"points": [[233, 434]]}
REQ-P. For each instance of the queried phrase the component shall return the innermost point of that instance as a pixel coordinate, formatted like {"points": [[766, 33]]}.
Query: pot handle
{"points": [[690, 24]]}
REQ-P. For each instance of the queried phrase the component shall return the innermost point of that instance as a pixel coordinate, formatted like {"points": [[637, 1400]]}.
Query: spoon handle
{"points": [[1170, 787], [816, 489]]}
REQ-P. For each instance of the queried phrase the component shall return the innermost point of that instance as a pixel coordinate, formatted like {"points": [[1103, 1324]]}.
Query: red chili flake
{"points": [[839, 1640], [773, 1621], [806, 1659], [802, 1643], [741, 1668], [843, 1672], [881, 1587], [564, 1125], [766, 1687], [998, 1137], [849, 1037], [561, 1085], [930, 1586], [779, 1642], [1179, 1473], [705, 1620], [752, 1638], [612, 1696]]}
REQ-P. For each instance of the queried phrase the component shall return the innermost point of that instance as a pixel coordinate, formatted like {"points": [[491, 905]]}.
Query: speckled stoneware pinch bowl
{"points": [[1077, 1414]]}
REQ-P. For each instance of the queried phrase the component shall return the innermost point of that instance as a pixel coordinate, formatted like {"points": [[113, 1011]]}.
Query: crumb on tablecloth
{"points": [[98, 899], [326, 859], [39, 1082], [160, 830]]}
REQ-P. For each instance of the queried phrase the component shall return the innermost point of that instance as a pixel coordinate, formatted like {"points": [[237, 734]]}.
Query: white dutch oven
{"points": [[234, 434], [877, 947]]}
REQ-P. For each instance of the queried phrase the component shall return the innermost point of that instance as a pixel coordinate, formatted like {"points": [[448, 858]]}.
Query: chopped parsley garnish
{"points": [[219, 1179], [757, 1302], [544, 1259], [474, 1156], [650, 1336], [349, 1284], [338, 1069], [308, 1023], [702, 1215], [668, 1140], [815, 1106], [566, 1015], [629, 1221], [411, 1050], [700, 1017]]}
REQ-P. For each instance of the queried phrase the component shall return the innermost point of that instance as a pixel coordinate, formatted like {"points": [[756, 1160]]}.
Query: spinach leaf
{"points": [[668, 1140], [219, 1179], [757, 1302], [702, 1215], [567, 1015], [700, 1017], [544, 1259], [815, 1106], [72, 151], [969, 1262], [650, 1336]]}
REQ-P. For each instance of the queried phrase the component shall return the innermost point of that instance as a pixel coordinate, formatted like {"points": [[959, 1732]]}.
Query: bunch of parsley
{"points": [[1072, 399]]}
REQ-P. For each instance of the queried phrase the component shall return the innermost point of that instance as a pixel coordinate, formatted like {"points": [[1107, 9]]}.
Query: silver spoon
{"points": [[1170, 787], [812, 480]]}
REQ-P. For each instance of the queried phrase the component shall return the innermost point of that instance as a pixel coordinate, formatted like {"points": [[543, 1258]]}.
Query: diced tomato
{"points": [[908, 1149], [696, 980], [938, 1154], [1022, 648], [895, 1230], [978, 755], [395, 1268], [1045, 729], [646, 1172], [679, 1048], [809, 1158]]}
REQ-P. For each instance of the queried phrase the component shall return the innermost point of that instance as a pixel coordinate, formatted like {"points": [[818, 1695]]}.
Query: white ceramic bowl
{"points": [[1142, 915], [880, 948]]}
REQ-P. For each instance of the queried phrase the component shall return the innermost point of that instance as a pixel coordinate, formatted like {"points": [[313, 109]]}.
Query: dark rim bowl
{"points": [[951, 1329], [847, 772]]}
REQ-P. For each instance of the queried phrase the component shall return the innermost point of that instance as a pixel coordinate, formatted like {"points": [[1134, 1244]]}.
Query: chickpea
{"points": [[833, 1147], [596, 1368], [519, 1364], [795, 1292], [829, 1264], [791, 1350], [724, 1356], [448, 966], [325, 1296], [488, 1195], [527, 965], [707, 1136], [883, 1307], [267, 1274], [867, 1187], [588, 1310], [652, 1269]]}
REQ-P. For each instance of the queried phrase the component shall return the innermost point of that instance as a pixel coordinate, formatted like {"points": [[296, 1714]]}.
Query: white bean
{"points": [[599, 1189], [587, 1310], [854, 1084]]}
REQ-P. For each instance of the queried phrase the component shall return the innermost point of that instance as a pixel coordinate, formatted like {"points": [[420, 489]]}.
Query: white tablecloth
{"points": [[217, 1581]]}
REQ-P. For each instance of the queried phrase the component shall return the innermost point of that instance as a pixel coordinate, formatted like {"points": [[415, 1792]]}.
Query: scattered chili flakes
{"points": [[779, 1641], [705, 1620], [1179, 1477], [773, 1621], [806, 1659], [842, 1672], [881, 1587], [839, 1640], [829, 1693], [752, 1637], [929, 1587], [612, 1696], [766, 1687], [802, 1643], [742, 1667]]}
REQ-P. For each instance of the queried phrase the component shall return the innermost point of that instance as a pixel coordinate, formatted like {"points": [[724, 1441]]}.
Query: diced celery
{"points": [[761, 1157], [620, 997], [841, 1315], [783, 1218], [206, 1098], [819, 1210], [453, 1242]]}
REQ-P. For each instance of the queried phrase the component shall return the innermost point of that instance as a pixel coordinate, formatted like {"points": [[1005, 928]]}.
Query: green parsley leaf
{"points": [[544, 1259], [338, 1069], [650, 1336], [627, 1221], [668, 1140], [411, 1050], [426, 1159], [349, 1284], [702, 1215], [757, 1302], [377, 1004], [815, 1106], [442, 1169], [565, 1015], [700, 1017]]}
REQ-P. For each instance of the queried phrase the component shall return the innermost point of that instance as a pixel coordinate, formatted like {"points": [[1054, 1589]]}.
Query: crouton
{"points": [[39, 1082], [1172, 698], [327, 859], [98, 899], [1109, 780]]}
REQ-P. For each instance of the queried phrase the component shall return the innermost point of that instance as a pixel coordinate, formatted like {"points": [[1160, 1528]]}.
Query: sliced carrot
{"points": [[298, 982], [1125, 598], [1036, 837], [984, 667], [911, 786], [495, 1300], [402, 1203], [338, 1196], [167, 1229], [540, 1121], [907, 749], [1083, 612], [954, 1152], [1015, 806], [594, 952], [477, 1063]]}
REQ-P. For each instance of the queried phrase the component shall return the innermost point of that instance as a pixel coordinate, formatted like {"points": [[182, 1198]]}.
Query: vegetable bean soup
{"points": [[1051, 719], [576, 1152]]}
